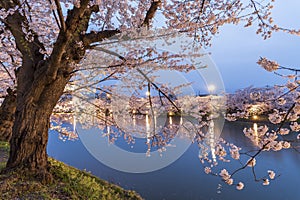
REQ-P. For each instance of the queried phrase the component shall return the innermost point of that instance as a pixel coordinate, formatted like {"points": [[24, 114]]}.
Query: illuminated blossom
{"points": [[234, 152], [240, 186], [231, 117], [255, 95], [251, 162], [293, 117], [281, 101], [295, 126], [291, 85], [275, 117], [207, 170], [224, 174], [266, 182], [262, 130], [271, 174], [268, 64], [277, 146], [229, 181], [286, 144], [296, 108], [284, 131], [220, 151]]}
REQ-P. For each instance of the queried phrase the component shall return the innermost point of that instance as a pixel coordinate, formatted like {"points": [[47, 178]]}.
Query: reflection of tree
{"points": [[164, 118], [278, 130], [191, 117]]}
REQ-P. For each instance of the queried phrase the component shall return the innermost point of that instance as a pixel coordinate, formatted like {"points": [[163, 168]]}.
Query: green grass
{"points": [[68, 183], [4, 146], [82, 185], [4, 149], [2, 165]]}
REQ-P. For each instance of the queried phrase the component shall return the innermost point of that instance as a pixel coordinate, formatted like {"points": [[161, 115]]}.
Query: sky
{"points": [[236, 49]]}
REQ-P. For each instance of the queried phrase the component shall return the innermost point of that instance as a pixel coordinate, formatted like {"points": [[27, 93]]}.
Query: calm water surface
{"points": [[185, 179]]}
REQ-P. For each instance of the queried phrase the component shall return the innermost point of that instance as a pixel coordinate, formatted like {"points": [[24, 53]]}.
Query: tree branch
{"points": [[60, 15], [65, 36], [55, 17], [93, 37], [15, 23], [151, 12], [202, 6]]}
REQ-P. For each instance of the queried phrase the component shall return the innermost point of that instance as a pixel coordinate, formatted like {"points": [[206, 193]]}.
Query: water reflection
{"points": [[255, 134], [212, 142], [185, 179]]}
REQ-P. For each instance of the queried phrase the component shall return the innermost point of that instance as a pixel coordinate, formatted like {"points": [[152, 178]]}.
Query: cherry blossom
{"points": [[268, 64], [240, 186], [271, 174]]}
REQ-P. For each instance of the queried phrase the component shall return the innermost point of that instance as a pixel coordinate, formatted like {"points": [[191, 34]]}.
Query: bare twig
{"points": [[60, 15], [285, 117], [55, 17]]}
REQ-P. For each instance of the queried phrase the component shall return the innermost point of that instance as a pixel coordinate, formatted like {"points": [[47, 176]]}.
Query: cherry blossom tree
{"points": [[44, 42]]}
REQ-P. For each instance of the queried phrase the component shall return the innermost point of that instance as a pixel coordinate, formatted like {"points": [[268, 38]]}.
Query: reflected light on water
{"points": [[108, 134], [212, 140], [255, 133], [148, 129], [74, 126], [170, 120]]}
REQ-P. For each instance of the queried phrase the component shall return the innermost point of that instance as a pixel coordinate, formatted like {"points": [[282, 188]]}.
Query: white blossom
{"points": [[251, 162], [277, 146], [240, 186], [291, 85], [229, 181], [224, 174], [281, 101], [266, 182], [284, 131], [255, 95], [295, 126], [275, 117], [286, 144], [207, 170], [271, 174], [234, 152], [268, 64]]}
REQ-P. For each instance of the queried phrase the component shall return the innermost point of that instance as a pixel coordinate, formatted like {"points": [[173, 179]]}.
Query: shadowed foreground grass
{"points": [[68, 183]]}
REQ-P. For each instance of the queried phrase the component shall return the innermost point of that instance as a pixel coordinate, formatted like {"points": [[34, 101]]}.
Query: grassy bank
{"points": [[68, 183]]}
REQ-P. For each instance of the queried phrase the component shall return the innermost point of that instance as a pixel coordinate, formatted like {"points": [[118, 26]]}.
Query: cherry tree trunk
{"points": [[36, 99], [7, 115], [29, 139]]}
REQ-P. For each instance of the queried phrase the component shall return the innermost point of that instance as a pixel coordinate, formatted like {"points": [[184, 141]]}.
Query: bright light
{"points": [[171, 113], [147, 93], [211, 88], [255, 117]]}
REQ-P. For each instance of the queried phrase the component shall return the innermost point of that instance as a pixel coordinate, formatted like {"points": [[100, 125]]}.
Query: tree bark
{"points": [[7, 115], [35, 104]]}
